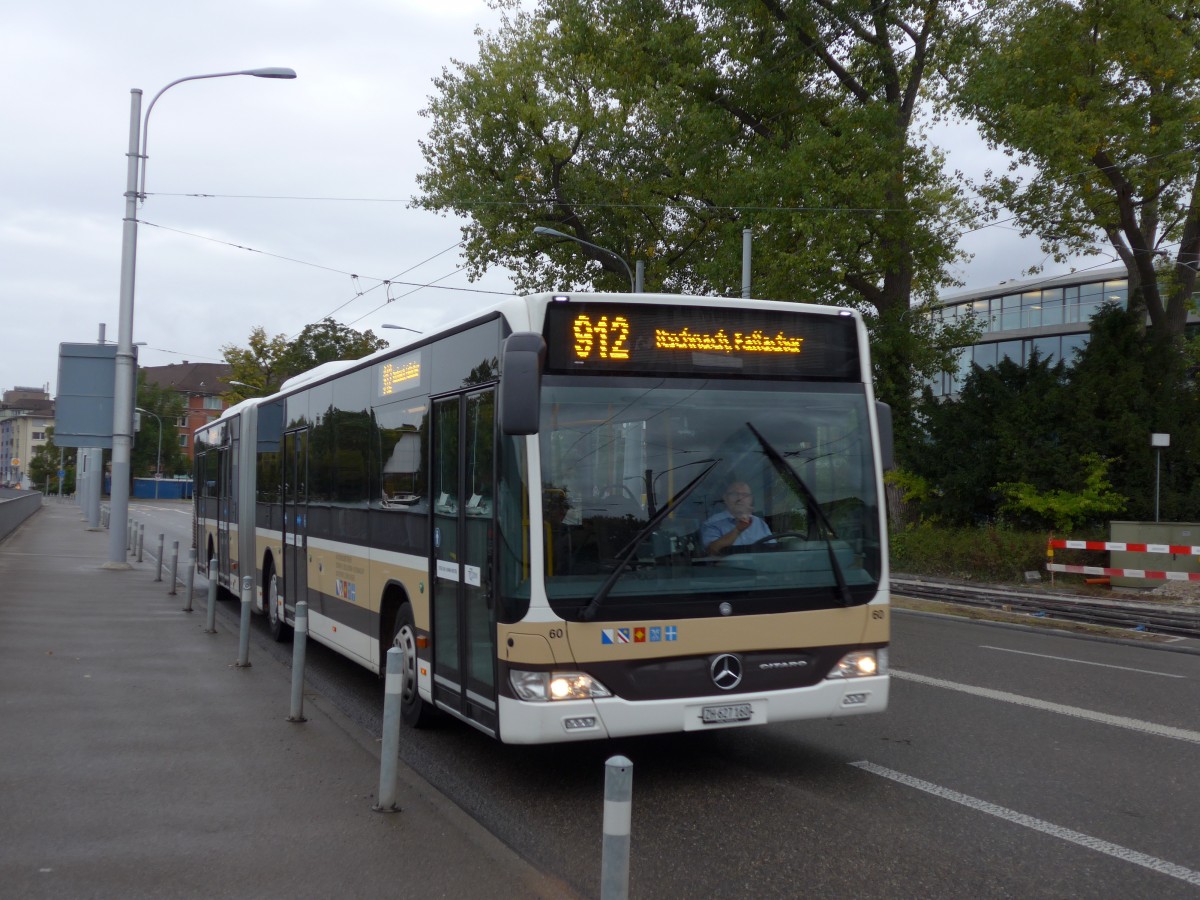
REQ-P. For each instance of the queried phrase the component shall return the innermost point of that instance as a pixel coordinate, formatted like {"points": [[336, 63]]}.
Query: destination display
{"points": [[398, 376], [618, 338]]}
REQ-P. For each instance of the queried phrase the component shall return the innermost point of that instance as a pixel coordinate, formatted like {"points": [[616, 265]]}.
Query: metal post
{"points": [[162, 539], [299, 645], [212, 598], [130, 544], [244, 631], [126, 368], [618, 815], [141, 540], [174, 567], [191, 579], [1157, 482], [639, 276], [746, 263], [390, 753]]}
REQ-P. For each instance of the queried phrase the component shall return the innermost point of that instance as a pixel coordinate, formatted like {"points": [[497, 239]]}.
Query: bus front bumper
{"points": [[612, 717]]}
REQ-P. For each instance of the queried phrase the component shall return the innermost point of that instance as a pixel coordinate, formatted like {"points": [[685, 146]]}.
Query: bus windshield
{"points": [[673, 497]]}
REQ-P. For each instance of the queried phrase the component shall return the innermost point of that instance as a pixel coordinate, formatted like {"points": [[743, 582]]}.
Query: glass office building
{"points": [[1049, 315]]}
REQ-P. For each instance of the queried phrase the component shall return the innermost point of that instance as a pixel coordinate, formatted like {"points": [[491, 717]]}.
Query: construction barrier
{"points": [[1104, 571]]}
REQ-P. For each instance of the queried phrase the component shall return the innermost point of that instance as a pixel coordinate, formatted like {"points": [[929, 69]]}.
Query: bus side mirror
{"points": [[887, 452], [520, 383]]}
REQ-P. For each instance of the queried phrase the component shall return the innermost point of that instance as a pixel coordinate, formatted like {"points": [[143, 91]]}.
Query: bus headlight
{"points": [[539, 687], [861, 663]]}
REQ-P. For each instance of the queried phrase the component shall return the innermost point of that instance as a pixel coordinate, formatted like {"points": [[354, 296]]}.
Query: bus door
{"points": [[295, 519], [225, 507], [464, 607]]}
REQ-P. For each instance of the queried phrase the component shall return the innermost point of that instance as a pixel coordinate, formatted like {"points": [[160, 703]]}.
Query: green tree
{"points": [[1102, 99], [660, 129], [168, 406], [1005, 426], [1061, 509], [1124, 387], [267, 362], [45, 463]]}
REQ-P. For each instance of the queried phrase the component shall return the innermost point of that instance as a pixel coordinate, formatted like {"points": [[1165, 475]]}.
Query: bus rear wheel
{"points": [[414, 711]]}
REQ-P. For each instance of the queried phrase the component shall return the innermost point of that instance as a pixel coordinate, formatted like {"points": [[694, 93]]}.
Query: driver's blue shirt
{"points": [[722, 523]]}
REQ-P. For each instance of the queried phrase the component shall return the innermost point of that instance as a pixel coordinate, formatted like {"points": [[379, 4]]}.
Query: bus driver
{"points": [[735, 525]]}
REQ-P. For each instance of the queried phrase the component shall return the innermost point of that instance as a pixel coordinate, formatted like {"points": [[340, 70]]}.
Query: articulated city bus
{"points": [[580, 515]]}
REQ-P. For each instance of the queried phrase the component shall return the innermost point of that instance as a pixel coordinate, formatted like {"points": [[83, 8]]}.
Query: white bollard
{"points": [[618, 816], [299, 644], [174, 567], [244, 631], [212, 598], [190, 581], [393, 687]]}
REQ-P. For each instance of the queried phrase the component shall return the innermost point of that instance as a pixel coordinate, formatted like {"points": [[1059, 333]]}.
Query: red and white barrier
{"points": [[1104, 571], [1123, 573], [1130, 548]]}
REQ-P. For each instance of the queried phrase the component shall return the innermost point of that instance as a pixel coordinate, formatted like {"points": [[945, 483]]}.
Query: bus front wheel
{"points": [[276, 623], [414, 711]]}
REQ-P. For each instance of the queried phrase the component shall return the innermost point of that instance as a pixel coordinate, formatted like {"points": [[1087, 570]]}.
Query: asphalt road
{"points": [[1012, 763]]}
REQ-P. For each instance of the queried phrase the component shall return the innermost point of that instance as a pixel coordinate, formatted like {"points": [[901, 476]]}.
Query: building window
{"points": [[181, 422], [1048, 349], [183, 441], [212, 402], [1031, 309]]}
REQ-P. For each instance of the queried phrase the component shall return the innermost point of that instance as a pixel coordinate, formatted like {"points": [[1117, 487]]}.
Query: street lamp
{"points": [[550, 232], [158, 463], [401, 328], [123, 380]]}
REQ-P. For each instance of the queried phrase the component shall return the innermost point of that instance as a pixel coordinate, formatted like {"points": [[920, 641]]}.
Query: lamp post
{"points": [[158, 462], [123, 381], [550, 232]]}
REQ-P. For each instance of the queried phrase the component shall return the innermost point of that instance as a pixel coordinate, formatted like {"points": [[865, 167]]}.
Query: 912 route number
{"points": [[608, 338]]}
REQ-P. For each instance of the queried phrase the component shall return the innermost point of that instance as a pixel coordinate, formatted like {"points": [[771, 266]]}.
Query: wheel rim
{"points": [[273, 601], [406, 640]]}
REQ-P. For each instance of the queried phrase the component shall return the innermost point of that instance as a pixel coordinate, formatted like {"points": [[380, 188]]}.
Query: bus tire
{"points": [[276, 623], [414, 711]]}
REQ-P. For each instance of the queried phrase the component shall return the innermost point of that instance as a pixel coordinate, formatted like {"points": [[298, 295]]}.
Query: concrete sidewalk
{"points": [[137, 761]]}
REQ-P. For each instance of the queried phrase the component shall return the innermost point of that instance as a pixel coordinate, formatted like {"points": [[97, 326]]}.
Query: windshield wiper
{"points": [[626, 553], [796, 483]]}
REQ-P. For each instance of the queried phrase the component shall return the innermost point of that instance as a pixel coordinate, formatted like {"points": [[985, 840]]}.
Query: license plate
{"points": [[734, 712]]}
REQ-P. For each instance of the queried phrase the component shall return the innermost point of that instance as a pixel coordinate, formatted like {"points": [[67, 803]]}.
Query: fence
{"points": [[15, 508]]}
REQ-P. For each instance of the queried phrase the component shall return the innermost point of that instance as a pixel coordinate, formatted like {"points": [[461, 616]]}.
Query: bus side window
{"points": [[403, 454]]}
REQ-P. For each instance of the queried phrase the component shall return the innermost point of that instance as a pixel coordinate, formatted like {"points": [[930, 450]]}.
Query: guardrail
{"points": [[15, 508]]}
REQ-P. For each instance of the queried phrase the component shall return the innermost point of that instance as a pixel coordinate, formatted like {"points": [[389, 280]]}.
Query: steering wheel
{"points": [[611, 490], [778, 535]]}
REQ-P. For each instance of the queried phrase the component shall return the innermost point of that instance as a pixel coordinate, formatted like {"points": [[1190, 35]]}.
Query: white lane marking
{"points": [[1082, 662], [1181, 734], [1065, 834]]}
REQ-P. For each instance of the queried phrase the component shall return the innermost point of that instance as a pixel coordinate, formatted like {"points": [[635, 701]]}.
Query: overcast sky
{"points": [[345, 130]]}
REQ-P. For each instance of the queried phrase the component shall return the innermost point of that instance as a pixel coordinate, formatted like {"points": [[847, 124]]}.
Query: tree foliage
{"points": [[1050, 446], [265, 363], [168, 405], [660, 129], [1066, 509], [1102, 99], [43, 467]]}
